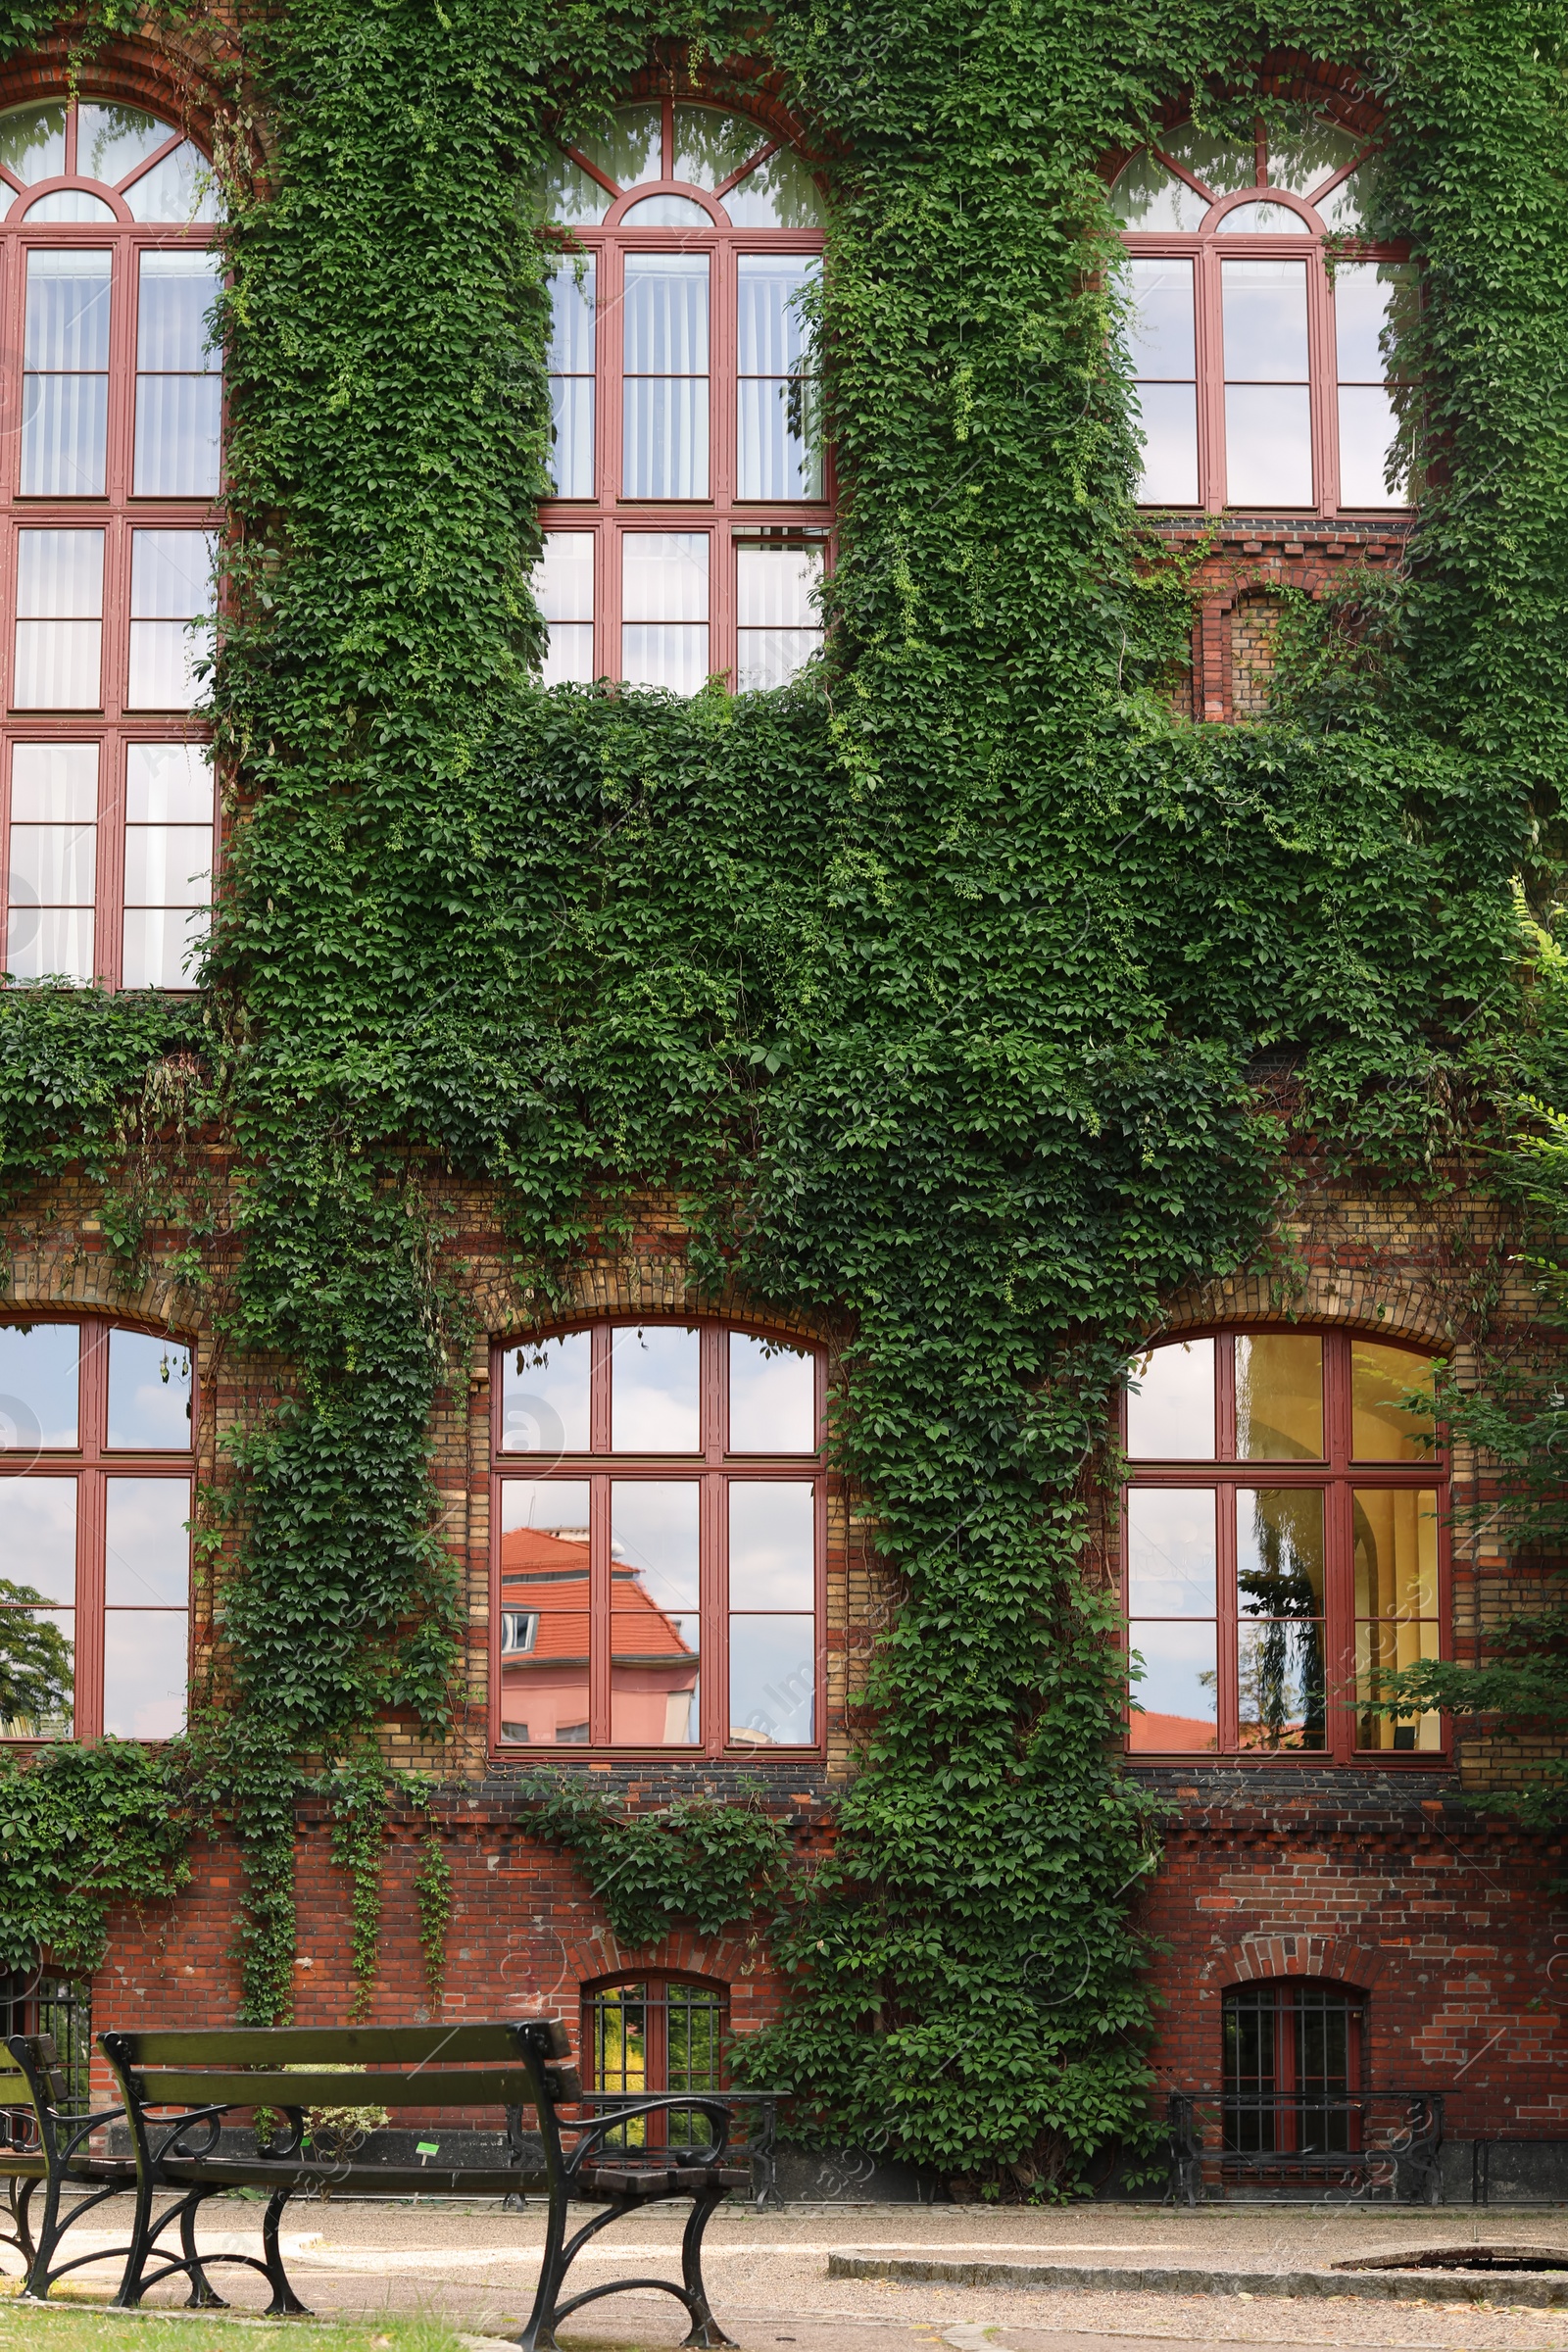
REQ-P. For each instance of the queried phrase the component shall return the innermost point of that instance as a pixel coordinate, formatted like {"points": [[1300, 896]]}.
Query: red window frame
{"points": [[715, 1470], [117, 513], [1207, 247], [1278, 2110], [723, 514], [1339, 1475], [92, 1462]]}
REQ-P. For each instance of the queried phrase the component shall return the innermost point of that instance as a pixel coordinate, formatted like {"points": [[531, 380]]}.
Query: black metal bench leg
{"points": [[20, 2198], [705, 2329], [285, 2303], [204, 2296]]}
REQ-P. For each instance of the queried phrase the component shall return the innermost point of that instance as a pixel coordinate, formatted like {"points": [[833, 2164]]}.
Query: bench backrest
{"points": [[25, 2055], [506, 2065]]}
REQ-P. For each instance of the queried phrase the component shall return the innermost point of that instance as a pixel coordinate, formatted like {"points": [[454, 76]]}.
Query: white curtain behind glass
{"points": [[665, 325]]}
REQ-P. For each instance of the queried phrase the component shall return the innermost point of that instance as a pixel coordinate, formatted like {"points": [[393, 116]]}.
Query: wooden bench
{"points": [[50, 2151], [178, 2087]]}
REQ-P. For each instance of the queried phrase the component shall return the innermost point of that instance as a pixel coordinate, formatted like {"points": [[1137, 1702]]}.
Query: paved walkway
{"points": [[474, 2266]]}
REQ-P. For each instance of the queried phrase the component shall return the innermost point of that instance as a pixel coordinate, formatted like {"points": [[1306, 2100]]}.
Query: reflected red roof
{"points": [[550, 1573]]}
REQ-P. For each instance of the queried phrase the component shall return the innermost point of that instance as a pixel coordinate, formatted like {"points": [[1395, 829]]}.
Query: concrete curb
{"points": [[1382, 2287]]}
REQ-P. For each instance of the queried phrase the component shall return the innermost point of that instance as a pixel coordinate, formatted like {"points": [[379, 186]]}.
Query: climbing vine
{"points": [[930, 983]]}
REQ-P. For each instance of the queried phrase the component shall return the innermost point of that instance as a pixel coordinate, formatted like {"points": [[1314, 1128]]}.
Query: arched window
{"points": [[690, 513], [1292, 2067], [113, 402], [1267, 380], [1282, 1544], [659, 1516], [655, 2032], [95, 1443]]}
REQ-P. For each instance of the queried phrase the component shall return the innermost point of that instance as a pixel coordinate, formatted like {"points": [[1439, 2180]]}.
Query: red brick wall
{"points": [[1385, 1884]]}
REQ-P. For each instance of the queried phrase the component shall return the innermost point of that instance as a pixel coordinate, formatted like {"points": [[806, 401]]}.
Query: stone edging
{"points": [[1408, 2286]]}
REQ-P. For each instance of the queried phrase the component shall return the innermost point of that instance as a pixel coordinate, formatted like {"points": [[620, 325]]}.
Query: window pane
{"points": [[1383, 1650], [1367, 300], [169, 784], [772, 1682], [1170, 1552], [1178, 1692], [627, 149], [1369, 431], [1148, 196], [112, 140], [65, 391], [772, 1396], [1263, 220], [177, 291], [1281, 1693], [1279, 1398], [1381, 1431], [653, 1545], [147, 1548], [564, 576], [667, 437], [571, 360], [1279, 1551], [664, 576], [674, 657], [39, 1373], [566, 193], [1222, 162], [654, 1388], [58, 664], [38, 1536], [1303, 155], [654, 1599], [169, 865], [170, 574], [772, 1545], [180, 188], [70, 204], [1170, 1411], [145, 1672], [571, 431], [1166, 414], [50, 942], [544, 1593], [37, 1671], [1265, 322], [1395, 1550], [52, 866], [159, 946], [33, 141], [149, 1392], [777, 626], [178, 435], [1161, 334], [665, 363], [665, 211], [54, 783], [780, 193], [710, 144], [776, 458], [1268, 445], [544, 1395], [60, 574], [570, 654]]}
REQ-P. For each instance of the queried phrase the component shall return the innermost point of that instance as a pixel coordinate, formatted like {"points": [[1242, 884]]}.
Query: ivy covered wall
{"points": [[931, 983]]}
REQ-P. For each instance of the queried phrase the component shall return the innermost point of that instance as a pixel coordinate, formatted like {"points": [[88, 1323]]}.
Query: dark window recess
{"points": [[656, 2035], [52, 2005], [1293, 2069]]}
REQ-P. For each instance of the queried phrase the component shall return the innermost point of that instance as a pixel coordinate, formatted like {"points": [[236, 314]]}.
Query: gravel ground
{"points": [[474, 2267]]}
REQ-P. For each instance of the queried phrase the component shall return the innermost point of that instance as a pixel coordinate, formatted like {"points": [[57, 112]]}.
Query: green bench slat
{"points": [[435, 2087], [290, 2046]]}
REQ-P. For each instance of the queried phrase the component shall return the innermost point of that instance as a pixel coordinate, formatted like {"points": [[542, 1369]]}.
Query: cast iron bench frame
{"points": [[205, 2075], [31, 2082]]}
